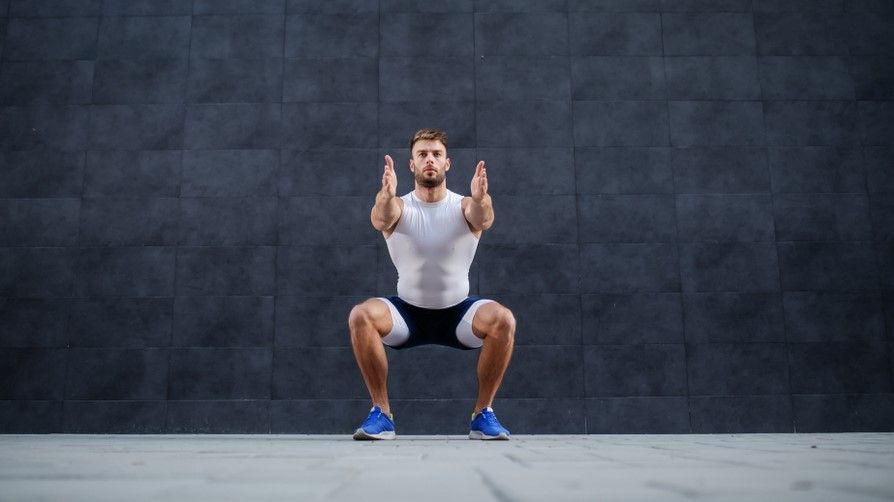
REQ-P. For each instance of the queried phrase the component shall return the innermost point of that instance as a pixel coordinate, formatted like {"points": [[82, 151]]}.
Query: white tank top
{"points": [[432, 248]]}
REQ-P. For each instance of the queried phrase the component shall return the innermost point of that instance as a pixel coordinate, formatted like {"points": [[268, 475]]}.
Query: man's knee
{"points": [[504, 325], [360, 317]]}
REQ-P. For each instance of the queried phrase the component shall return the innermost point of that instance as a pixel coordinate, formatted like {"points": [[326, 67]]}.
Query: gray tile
{"points": [[552, 222], [708, 34], [31, 82], [524, 377], [237, 37], [120, 322], [827, 266], [733, 317], [39, 222], [729, 266], [873, 76], [789, 77], [34, 322], [841, 413], [410, 34], [614, 5], [326, 125], [229, 173], [234, 125], [629, 268], [409, 373], [540, 416], [333, 35], [36, 272], [129, 222], [706, 5], [144, 37], [221, 417], [839, 367], [635, 370], [876, 122], [135, 127], [620, 123], [632, 318], [519, 6], [116, 374], [139, 271], [140, 81], [618, 77], [223, 321], [348, 220], [833, 317], [319, 373], [870, 33], [523, 123], [736, 369], [725, 217], [625, 218], [399, 121], [235, 80], [225, 270], [132, 173], [627, 34], [314, 321], [740, 414], [522, 77], [51, 38], [637, 415], [520, 268], [882, 207], [536, 319], [517, 171], [332, 6], [521, 34], [714, 123], [54, 8], [817, 169], [228, 221], [43, 126], [423, 79], [30, 373], [798, 5], [720, 170], [822, 217], [32, 416], [114, 417], [880, 6], [337, 416], [879, 176], [330, 79], [146, 7], [41, 173], [622, 170], [220, 373], [884, 254], [723, 77], [326, 270], [239, 7], [801, 33], [309, 172]]}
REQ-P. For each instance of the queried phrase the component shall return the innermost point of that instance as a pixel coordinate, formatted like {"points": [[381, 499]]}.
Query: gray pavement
{"points": [[809, 467]]}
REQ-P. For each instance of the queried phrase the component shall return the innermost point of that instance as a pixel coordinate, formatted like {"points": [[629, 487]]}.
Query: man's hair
{"points": [[433, 134]]}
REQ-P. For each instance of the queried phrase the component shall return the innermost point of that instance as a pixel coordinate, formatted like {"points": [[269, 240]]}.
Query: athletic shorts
{"points": [[451, 326]]}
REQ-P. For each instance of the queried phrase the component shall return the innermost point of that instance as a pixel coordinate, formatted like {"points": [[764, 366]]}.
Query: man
{"points": [[432, 234]]}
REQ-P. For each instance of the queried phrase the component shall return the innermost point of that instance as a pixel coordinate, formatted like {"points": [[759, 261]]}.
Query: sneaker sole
{"points": [[481, 435], [361, 434]]}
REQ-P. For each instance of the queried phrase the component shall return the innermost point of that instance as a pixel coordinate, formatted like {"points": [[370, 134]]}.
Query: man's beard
{"points": [[427, 182]]}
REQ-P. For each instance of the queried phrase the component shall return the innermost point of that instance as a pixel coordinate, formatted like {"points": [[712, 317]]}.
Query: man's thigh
{"points": [[380, 315], [487, 316]]}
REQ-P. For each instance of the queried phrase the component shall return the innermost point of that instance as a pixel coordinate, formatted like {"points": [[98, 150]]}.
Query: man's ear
{"points": [[410, 164], [448, 164]]}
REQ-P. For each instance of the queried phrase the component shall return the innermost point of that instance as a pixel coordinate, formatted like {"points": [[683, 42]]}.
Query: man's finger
{"points": [[479, 167], [388, 162]]}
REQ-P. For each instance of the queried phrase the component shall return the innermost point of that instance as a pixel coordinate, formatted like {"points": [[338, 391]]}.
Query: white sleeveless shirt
{"points": [[432, 248]]}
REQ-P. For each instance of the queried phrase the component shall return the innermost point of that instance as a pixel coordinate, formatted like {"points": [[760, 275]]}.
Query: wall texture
{"points": [[694, 211]]}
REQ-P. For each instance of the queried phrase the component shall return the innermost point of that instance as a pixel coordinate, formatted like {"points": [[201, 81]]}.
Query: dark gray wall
{"points": [[694, 213]]}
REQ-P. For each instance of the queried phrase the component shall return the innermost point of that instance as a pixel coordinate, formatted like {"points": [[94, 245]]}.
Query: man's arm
{"points": [[480, 210], [386, 210]]}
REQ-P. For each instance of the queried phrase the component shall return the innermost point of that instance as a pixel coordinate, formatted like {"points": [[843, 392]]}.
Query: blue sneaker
{"points": [[486, 426], [376, 426]]}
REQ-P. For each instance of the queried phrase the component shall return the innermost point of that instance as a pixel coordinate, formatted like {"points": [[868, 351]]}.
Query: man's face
{"points": [[429, 163]]}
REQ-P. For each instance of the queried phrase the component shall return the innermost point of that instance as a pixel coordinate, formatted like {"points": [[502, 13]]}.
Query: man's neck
{"points": [[433, 194]]}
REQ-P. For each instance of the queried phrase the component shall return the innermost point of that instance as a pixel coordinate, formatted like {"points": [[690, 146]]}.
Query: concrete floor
{"points": [[131, 468]]}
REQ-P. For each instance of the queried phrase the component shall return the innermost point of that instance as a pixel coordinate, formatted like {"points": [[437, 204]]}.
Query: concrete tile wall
{"points": [[694, 203]]}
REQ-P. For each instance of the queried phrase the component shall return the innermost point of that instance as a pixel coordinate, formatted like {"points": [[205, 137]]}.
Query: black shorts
{"points": [[451, 326]]}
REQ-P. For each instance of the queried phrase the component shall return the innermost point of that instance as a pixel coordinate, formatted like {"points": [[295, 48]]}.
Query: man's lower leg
{"points": [[370, 354], [492, 363]]}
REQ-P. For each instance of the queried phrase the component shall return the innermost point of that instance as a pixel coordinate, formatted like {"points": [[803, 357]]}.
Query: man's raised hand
{"points": [[479, 182], [389, 179]]}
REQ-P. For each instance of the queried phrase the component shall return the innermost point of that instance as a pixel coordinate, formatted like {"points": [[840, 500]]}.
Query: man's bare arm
{"points": [[480, 210], [386, 210]]}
